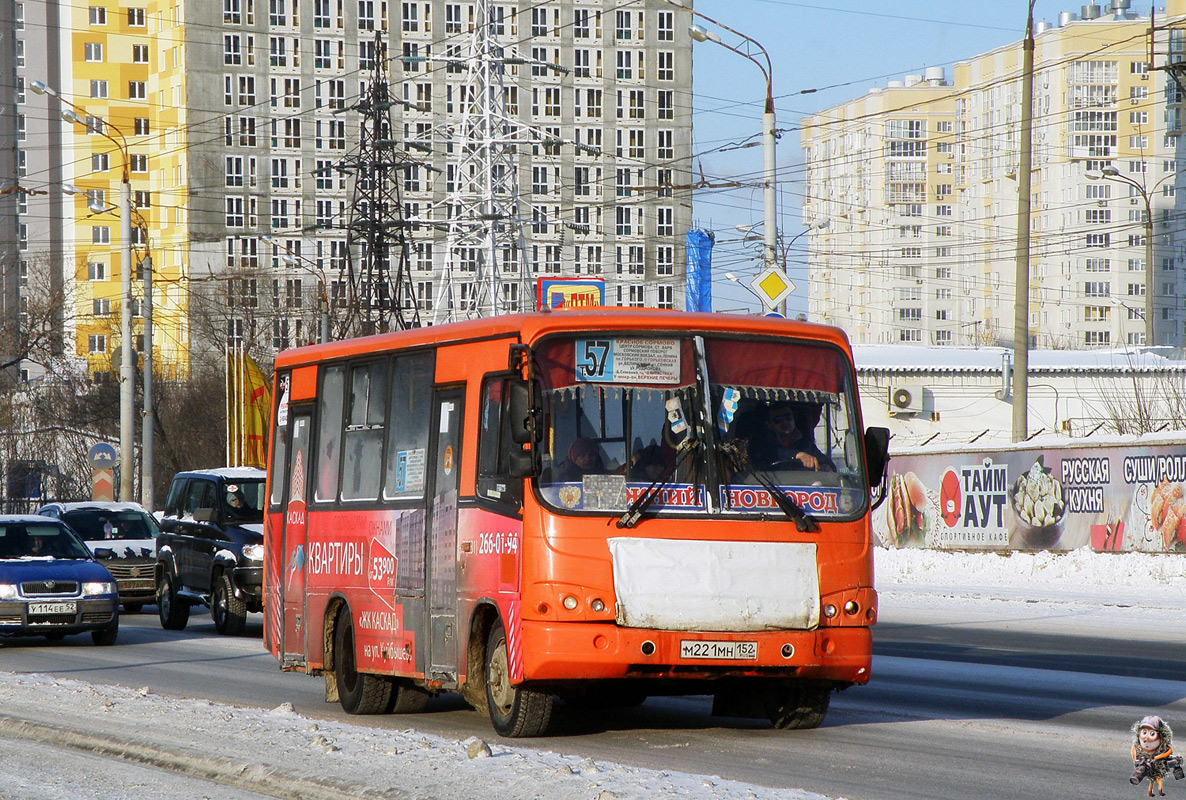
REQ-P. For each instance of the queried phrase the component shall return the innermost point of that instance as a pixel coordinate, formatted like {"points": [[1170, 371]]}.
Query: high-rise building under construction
{"points": [[231, 120]]}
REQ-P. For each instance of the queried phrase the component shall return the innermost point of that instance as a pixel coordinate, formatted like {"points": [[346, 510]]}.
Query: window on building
{"points": [[666, 65], [139, 54], [137, 18], [93, 51], [234, 212]]}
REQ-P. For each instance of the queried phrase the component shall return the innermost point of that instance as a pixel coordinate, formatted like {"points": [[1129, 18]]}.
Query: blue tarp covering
{"points": [[699, 247]]}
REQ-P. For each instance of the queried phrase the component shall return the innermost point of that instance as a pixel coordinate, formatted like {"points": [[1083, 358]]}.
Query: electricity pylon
{"points": [[486, 246], [380, 294]]}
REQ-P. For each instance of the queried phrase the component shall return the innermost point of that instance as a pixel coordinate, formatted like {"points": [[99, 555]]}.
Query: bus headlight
{"points": [[829, 610], [597, 606], [253, 552], [570, 602]]}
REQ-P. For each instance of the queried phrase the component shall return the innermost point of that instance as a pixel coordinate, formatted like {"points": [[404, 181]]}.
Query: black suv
{"points": [[210, 549]]}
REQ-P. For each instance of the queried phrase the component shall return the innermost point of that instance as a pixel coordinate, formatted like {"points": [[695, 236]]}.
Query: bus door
{"points": [[441, 561], [294, 538]]}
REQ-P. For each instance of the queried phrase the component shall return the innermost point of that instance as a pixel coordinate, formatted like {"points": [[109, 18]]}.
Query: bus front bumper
{"points": [[553, 651]]}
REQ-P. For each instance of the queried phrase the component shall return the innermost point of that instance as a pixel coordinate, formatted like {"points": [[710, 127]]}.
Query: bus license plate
{"points": [[53, 608], [737, 651]]}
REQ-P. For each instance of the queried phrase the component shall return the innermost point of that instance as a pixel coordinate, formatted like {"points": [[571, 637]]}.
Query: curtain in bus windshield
{"points": [[617, 410], [784, 415]]}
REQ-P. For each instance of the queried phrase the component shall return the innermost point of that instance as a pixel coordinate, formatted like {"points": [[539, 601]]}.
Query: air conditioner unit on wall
{"points": [[905, 399]]}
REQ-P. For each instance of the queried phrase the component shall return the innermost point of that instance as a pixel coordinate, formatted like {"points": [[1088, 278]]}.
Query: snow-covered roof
{"points": [[893, 358], [237, 473]]}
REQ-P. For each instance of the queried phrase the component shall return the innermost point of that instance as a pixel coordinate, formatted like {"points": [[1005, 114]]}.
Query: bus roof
{"points": [[530, 327]]}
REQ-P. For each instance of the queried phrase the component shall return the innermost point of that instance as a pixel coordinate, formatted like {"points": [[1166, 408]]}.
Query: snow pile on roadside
{"points": [[1076, 576], [278, 749]]}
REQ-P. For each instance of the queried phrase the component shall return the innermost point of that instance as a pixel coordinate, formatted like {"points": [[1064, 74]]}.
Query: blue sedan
{"points": [[51, 585]]}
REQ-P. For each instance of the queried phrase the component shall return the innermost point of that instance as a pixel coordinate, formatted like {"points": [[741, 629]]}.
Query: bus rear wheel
{"points": [[514, 711], [358, 692], [799, 707], [406, 698]]}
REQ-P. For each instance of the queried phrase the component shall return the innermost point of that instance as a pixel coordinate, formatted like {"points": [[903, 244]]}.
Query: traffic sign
{"points": [[102, 456], [773, 286]]}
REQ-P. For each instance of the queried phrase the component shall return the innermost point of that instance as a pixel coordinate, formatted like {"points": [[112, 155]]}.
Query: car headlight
{"points": [[92, 588], [253, 552], [8, 591]]}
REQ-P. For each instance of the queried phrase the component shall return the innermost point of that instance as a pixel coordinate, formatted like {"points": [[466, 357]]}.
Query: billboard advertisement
{"points": [[1110, 498], [570, 292]]}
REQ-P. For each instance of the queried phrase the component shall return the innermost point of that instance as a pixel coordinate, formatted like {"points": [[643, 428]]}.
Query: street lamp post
{"points": [[126, 366], [296, 259], [769, 129], [1110, 173]]}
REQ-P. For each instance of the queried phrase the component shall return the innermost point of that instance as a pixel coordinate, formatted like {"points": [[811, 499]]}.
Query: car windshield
{"points": [[98, 524], [34, 540], [243, 501], [710, 424]]}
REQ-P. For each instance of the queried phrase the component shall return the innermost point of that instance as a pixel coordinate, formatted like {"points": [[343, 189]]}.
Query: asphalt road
{"points": [[953, 711]]}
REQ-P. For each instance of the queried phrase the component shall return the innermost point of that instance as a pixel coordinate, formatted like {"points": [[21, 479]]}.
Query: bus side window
{"points": [[329, 433], [494, 446], [410, 412], [362, 444]]}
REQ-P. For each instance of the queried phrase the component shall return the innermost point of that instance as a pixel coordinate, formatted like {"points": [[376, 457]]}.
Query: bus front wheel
{"points": [[514, 711], [358, 692]]}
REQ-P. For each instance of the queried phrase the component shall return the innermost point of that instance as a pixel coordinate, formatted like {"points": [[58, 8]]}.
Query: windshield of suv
{"points": [[31, 540], [243, 501], [710, 424], [98, 524]]}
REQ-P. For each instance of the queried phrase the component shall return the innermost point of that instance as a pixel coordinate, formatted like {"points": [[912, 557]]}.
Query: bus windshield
{"points": [[709, 425]]}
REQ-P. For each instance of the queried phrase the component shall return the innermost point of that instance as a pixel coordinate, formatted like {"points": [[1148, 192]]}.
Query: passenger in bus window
{"points": [[583, 459], [648, 464], [785, 444]]}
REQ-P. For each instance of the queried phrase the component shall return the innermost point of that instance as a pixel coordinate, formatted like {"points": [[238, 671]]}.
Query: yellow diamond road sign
{"points": [[773, 286]]}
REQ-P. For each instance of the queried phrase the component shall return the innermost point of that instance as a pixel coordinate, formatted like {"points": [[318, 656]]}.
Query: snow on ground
{"points": [[280, 753]]}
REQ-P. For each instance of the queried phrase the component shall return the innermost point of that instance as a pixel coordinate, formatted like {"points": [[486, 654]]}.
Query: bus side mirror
{"points": [[523, 407], [523, 463], [876, 453]]}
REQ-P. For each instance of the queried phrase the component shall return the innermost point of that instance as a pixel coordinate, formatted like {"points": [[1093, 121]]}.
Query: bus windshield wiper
{"points": [[804, 522], [634, 512]]}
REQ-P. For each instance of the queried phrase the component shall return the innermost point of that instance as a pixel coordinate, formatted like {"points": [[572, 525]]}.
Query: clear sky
{"points": [[834, 50]]}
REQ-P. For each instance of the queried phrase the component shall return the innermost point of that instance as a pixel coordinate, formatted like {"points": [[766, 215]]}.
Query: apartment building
{"points": [[918, 184], [235, 115]]}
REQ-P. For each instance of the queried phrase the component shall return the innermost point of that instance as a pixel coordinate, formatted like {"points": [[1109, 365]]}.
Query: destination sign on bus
{"points": [[628, 361]]}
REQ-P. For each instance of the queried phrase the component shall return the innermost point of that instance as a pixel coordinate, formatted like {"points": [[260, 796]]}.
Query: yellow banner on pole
{"points": [[249, 413]]}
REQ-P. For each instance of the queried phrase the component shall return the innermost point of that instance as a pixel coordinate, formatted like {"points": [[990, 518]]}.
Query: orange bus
{"points": [[599, 506]]}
